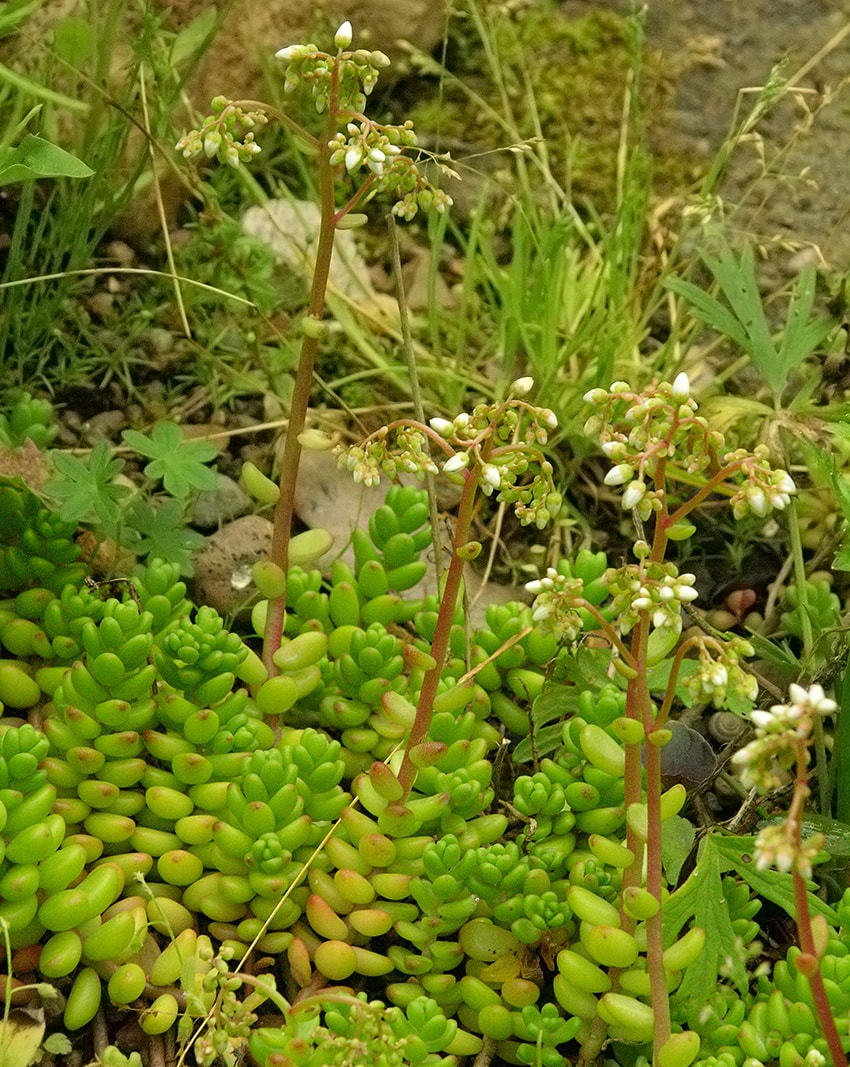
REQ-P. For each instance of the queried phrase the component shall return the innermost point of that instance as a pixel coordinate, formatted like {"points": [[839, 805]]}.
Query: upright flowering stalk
{"points": [[373, 157], [782, 740], [667, 461], [495, 450]]}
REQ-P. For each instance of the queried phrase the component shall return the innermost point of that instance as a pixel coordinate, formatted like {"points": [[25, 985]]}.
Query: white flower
{"points": [[757, 501], [681, 388], [456, 463], [812, 699], [595, 396], [376, 160], [541, 612], [353, 158], [342, 37], [762, 720], [490, 474], [548, 418], [635, 492], [286, 55], [522, 386], [619, 474], [442, 426]]}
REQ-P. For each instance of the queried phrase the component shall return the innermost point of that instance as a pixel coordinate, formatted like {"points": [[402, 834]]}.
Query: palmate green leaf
{"points": [[86, 488], [178, 462], [744, 321], [163, 534]]}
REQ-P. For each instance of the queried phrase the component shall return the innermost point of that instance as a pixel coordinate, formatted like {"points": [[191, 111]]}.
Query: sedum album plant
{"points": [[175, 809], [353, 153]]}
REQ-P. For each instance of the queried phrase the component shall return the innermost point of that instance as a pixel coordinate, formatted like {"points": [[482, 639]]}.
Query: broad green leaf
{"points": [[193, 37], [36, 158], [74, 40]]}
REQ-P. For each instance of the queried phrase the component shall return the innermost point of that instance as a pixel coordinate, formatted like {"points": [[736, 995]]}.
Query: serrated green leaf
{"points": [[701, 902], [677, 840]]}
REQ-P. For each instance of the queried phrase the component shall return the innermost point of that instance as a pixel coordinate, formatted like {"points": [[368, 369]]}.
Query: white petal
{"points": [[633, 495], [522, 386], [342, 37], [490, 474], [681, 388], [455, 463], [619, 474]]}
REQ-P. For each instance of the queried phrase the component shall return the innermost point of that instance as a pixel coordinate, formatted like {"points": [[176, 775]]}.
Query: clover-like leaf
{"points": [[179, 463]]}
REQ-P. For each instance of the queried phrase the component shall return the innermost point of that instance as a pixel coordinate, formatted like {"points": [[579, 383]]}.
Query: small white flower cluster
{"points": [[719, 672], [779, 733], [408, 455], [776, 846], [367, 145], [227, 134], [638, 429], [556, 608], [762, 489], [657, 588]]}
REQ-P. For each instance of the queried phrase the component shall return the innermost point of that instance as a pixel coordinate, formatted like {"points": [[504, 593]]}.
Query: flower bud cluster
{"points": [[657, 588], [371, 145], [778, 733], [558, 599], [638, 431], [776, 846], [403, 450], [719, 672], [760, 489], [226, 134], [358, 71]]}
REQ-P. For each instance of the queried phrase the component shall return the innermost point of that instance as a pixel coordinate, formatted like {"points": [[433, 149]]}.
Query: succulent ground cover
{"points": [[351, 821]]}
